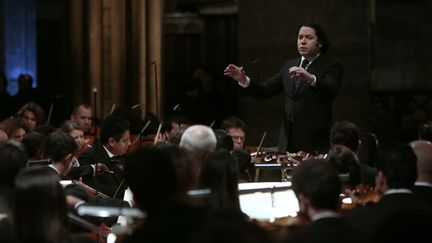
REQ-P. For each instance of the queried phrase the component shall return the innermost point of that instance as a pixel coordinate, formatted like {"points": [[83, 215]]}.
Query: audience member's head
{"points": [[317, 185], [219, 173], [150, 174], [25, 82], [35, 220], [12, 159]]}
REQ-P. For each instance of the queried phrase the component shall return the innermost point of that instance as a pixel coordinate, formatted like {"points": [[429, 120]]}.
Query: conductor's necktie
{"points": [[304, 64]]}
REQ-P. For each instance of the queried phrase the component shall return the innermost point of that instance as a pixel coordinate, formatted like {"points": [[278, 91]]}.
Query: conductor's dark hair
{"points": [[321, 35]]}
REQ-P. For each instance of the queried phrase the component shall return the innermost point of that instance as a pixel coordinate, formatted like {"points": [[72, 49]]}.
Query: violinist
{"points": [[317, 187], [346, 133], [114, 143], [397, 172], [82, 114], [73, 129], [61, 149]]}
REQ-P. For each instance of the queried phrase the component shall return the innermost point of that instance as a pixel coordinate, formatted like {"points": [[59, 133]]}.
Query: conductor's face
{"points": [[307, 42]]}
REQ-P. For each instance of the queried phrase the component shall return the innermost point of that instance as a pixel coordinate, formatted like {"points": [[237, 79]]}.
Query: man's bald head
{"points": [[423, 152]]}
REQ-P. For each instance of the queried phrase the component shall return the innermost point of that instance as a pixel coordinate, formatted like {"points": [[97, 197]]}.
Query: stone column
{"points": [[95, 55]]}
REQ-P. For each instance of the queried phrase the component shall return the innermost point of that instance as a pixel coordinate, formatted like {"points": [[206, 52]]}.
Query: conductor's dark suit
{"points": [[308, 110]]}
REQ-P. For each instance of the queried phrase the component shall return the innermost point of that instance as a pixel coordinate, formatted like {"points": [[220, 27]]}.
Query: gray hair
{"points": [[198, 138]]}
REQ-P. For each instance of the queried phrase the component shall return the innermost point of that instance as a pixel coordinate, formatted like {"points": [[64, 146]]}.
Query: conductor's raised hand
{"points": [[236, 73]]}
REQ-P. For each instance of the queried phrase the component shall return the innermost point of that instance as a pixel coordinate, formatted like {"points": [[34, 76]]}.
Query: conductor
{"points": [[309, 83]]}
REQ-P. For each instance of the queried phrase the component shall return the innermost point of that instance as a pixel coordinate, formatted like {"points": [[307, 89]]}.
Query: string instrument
{"points": [[283, 226], [362, 194], [95, 233], [286, 158], [91, 136], [91, 192], [136, 138]]}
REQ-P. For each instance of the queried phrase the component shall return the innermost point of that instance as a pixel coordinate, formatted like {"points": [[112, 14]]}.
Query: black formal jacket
{"points": [[308, 110], [331, 230], [107, 183], [370, 218]]}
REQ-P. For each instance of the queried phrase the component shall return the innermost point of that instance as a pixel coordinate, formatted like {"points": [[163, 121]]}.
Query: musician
{"points": [[114, 142], [346, 133], [73, 129], [61, 148], [317, 187], [15, 128], [82, 114], [397, 172], [33, 115], [309, 83]]}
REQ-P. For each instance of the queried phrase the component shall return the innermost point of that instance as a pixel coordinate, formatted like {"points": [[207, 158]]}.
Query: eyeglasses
{"points": [[236, 138]]}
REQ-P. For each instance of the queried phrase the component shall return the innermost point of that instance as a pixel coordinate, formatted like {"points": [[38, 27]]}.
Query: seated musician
{"points": [[33, 114], [346, 133], [61, 149], [317, 187], [397, 172], [73, 129], [82, 114], [114, 142]]}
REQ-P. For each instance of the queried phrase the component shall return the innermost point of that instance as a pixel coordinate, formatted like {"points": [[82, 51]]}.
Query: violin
{"points": [[283, 226], [91, 136], [362, 194], [91, 192], [96, 233]]}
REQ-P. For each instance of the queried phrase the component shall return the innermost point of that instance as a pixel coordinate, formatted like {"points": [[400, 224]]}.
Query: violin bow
{"points": [[118, 188], [50, 113], [261, 143], [212, 123], [257, 171], [142, 131], [157, 134], [112, 109]]}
